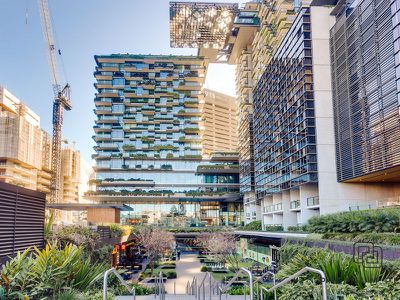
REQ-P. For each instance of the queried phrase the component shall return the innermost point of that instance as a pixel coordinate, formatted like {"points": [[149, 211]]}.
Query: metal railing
{"points": [[191, 287], [259, 289], [160, 287], [123, 282], [294, 276], [202, 287], [230, 282]]}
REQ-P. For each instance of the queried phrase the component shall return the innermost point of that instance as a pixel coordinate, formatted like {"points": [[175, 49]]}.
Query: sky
{"points": [[83, 29]]}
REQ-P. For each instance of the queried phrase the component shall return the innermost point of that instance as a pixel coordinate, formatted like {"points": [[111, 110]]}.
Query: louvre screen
{"points": [[366, 106], [22, 214]]}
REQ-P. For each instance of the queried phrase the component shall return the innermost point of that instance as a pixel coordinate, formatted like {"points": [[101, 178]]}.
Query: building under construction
{"points": [[23, 145], [25, 152]]}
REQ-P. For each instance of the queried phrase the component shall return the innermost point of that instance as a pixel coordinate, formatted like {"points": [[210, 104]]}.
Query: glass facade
{"points": [[364, 54], [148, 143], [284, 123]]}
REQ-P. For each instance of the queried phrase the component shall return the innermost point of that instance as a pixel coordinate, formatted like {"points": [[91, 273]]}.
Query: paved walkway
{"points": [[186, 268]]}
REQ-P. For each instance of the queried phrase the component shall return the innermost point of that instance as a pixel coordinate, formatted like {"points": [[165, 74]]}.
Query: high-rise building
{"points": [[25, 153], [248, 40], [22, 145], [365, 69], [218, 123], [258, 29], [149, 146], [294, 132], [70, 174]]}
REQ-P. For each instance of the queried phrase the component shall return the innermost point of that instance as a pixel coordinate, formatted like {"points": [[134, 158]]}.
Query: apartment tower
{"points": [[149, 146], [219, 123]]}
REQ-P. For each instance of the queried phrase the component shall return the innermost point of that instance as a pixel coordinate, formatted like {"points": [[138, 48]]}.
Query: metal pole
{"points": [[174, 287], [250, 281], [210, 286], [105, 284]]}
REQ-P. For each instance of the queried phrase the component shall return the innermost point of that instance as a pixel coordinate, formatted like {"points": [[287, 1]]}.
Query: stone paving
{"points": [[186, 268]]}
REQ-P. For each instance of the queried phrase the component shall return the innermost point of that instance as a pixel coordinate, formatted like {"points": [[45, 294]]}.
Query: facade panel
{"points": [[366, 105]]}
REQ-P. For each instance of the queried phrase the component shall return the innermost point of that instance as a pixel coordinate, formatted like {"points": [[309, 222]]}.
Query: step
{"points": [[180, 297], [151, 297]]}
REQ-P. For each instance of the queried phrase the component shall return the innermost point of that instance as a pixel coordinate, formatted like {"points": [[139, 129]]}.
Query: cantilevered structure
{"points": [[201, 25]]}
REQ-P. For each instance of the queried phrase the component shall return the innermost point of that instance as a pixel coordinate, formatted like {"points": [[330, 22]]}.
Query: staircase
{"points": [[209, 289]]}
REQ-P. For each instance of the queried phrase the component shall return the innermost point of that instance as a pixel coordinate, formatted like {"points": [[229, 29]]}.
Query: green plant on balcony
{"points": [[191, 130], [164, 147], [166, 167], [128, 147], [193, 156], [146, 139], [170, 155], [138, 156]]}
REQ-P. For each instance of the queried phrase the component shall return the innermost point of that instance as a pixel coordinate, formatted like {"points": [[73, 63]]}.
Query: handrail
{"points": [[297, 274], [202, 285], [161, 287], [230, 282], [264, 288], [123, 282], [191, 286]]}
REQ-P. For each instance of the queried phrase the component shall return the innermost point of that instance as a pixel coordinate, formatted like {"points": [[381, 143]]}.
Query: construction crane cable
{"points": [[58, 45]]}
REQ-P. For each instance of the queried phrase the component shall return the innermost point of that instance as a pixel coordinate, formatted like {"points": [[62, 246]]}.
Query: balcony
{"points": [[313, 202], [273, 208], [295, 205]]}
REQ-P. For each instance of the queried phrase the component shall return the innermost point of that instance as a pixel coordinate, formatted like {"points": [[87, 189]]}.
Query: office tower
{"points": [[218, 123], [149, 147]]}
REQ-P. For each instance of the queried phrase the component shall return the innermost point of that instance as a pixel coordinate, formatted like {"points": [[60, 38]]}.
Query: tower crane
{"points": [[61, 100]]}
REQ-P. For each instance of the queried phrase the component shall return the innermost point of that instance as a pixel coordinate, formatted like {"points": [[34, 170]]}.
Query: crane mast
{"points": [[61, 101]]}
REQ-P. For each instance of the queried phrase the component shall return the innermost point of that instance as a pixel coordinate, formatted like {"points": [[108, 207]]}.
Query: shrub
{"points": [[311, 290], [203, 269], [76, 235], [385, 238], [47, 272], [101, 255], [169, 274], [120, 230], [273, 228], [338, 267], [238, 290], [254, 225], [369, 221], [294, 228]]}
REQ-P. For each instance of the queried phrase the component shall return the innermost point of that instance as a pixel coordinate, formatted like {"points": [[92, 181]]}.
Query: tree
{"points": [[156, 243], [219, 244]]}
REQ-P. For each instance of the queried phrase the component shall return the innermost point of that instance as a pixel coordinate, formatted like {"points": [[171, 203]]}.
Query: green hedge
{"points": [[374, 220], [254, 226], [311, 290], [384, 238], [273, 228]]}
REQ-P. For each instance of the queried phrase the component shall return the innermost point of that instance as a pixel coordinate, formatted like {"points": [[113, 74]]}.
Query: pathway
{"points": [[186, 268]]}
